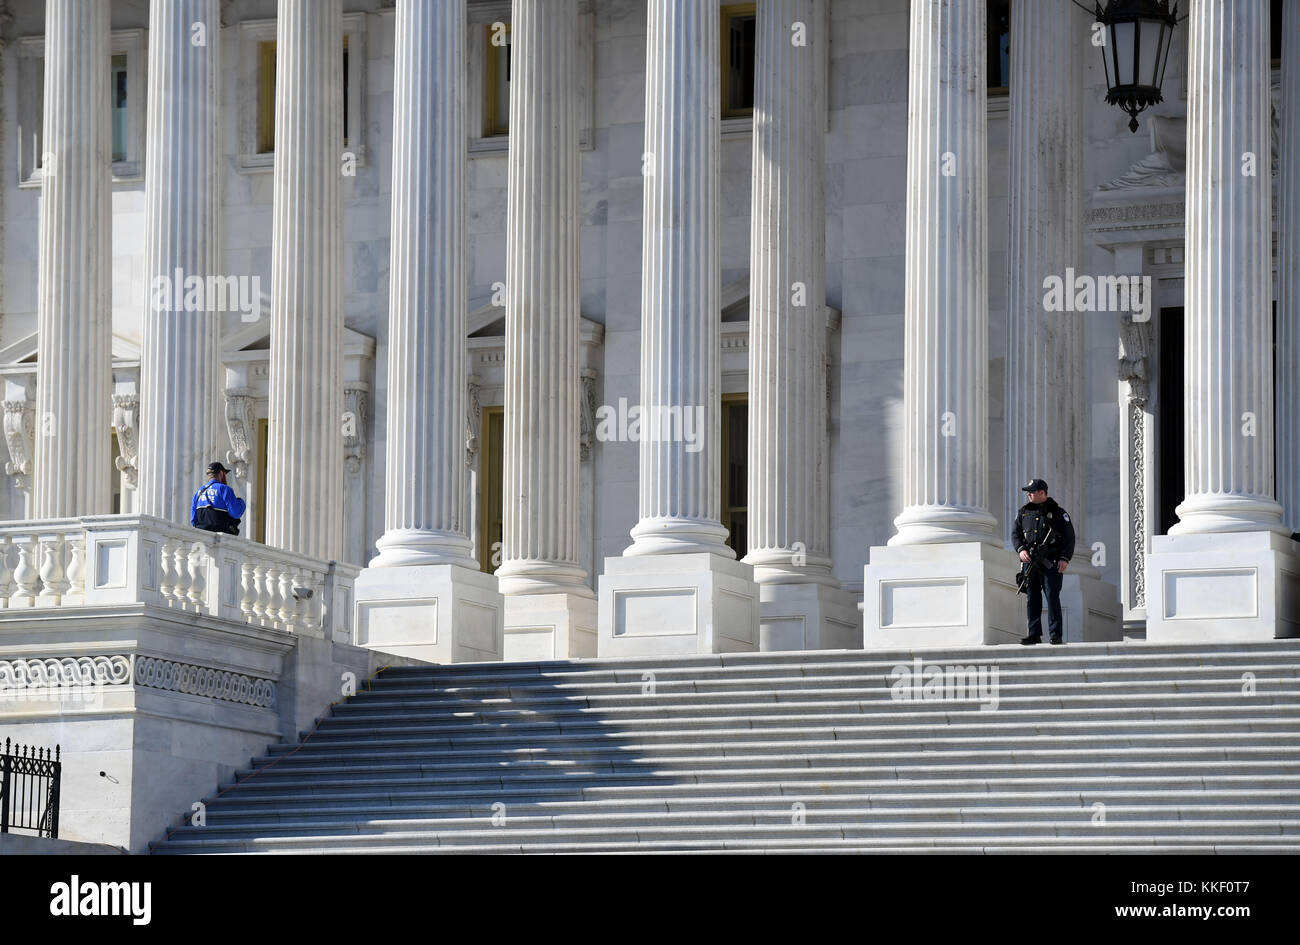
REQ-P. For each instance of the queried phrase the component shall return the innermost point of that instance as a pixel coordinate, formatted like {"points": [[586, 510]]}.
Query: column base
{"points": [[1090, 610], [664, 605], [1235, 587], [550, 626], [812, 616], [438, 613], [961, 594]]}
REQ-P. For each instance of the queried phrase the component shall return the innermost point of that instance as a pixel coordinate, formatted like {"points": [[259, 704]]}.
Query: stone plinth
{"points": [[1235, 587], [952, 594], [676, 604], [437, 613]]}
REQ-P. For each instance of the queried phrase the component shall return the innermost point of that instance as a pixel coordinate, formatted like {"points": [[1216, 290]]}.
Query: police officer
{"points": [[1043, 536], [216, 508]]}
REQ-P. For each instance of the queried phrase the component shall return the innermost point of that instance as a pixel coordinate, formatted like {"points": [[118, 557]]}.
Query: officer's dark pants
{"points": [[1051, 580]]}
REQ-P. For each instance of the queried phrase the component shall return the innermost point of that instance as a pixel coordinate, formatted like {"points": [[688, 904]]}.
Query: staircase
{"points": [[1091, 748]]}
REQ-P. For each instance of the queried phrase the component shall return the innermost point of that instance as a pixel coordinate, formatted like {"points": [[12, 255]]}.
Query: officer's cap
{"points": [[1034, 485], [216, 467]]}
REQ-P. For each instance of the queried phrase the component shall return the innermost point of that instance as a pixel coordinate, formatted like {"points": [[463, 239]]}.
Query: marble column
{"points": [[450, 611], [1046, 413], [801, 603], [1226, 569], [305, 461], [941, 578], [678, 587], [550, 609], [1287, 373], [180, 357], [74, 301]]}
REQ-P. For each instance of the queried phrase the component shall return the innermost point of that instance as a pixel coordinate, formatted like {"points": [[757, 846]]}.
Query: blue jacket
{"points": [[219, 498]]}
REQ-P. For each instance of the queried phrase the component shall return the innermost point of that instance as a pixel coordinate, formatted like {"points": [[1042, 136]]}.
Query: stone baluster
{"points": [[247, 591], [260, 594], [198, 560], [6, 573], [52, 575], [26, 574], [165, 579], [287, 601], [180, 570], [76, 593]]}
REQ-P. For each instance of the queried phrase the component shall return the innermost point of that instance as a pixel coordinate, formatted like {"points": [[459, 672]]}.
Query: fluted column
{"points": [[1045, 412], [74, 350], [540, 542], [680, 283], [305, 467], [1288, 275], [426, 478], [1228, 453], [945, 371], [180, 359], [788, 519]]}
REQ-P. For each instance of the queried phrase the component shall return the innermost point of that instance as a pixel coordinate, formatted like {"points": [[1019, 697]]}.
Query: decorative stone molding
{"points": [[204, 681], [126, 423], [20, 431], [473, 427], [587, 413], [1135, 344], [37, 673], [241, 425], [356, 409]]}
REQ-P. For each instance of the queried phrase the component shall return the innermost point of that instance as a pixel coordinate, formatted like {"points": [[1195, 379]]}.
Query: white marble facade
{"points": [[1128, 191]]}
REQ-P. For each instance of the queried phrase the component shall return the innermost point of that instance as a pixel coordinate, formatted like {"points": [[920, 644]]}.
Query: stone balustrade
{"points": [[107, 560]]}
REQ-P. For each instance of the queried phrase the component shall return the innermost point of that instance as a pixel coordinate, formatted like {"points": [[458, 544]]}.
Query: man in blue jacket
{"points": [[216, 508]]}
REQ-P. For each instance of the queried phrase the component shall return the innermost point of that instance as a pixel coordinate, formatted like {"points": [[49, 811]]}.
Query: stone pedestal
{"points": [[664, 605], [550, 626], [808, 616], [952, 594], [441, 613], [1236, 587], [1089, 609]]}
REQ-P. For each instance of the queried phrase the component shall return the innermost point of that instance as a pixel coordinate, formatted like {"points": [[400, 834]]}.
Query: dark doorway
{"points": [[1170, 481]]}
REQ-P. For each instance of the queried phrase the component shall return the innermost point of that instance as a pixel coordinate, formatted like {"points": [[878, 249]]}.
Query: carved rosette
{"points": [[356, 413], [126, 423], [241, 424]]}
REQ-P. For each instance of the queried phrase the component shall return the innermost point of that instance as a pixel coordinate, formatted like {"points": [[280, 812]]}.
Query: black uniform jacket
{"points": [[1033, 522]]}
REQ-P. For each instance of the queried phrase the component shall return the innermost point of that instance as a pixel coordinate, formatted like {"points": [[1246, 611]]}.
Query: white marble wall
{"points": [[866, 176]]}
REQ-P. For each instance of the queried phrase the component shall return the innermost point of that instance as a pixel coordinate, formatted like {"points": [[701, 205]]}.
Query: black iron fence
{"points": [[29, 789]]}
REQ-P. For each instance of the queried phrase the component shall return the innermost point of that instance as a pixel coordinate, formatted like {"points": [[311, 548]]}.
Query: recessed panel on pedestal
{"points": [[656, 612], [1216, 592], [923, 603], [397, 622]]}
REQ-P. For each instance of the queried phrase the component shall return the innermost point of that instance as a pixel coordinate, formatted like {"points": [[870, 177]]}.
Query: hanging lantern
{"points": [[1138, 36]]}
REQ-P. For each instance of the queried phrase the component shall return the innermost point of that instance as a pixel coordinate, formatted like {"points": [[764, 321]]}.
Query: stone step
{"points": [[813, 689], [1118, 804], [527, 774], [458, 736], [527, 722], [1077, 829], [600, 751], [869, 791], [794, 676], [879, 820]]}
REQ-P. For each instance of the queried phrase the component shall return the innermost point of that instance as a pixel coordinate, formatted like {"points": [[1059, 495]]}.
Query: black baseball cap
{"points": [[216, 467], [1034, 485]]}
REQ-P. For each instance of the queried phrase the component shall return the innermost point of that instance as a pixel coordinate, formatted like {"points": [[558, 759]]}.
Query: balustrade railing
{"points": [[117, 559]]}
